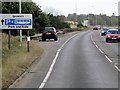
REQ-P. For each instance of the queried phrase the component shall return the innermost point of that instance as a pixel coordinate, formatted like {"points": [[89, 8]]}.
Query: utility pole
{"points": [[89, 13], [96, 19], [76, 12], [20, 30]]}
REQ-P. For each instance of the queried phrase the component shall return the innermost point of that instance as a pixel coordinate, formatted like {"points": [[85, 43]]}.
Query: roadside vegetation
{"points": [[40, 18], [16, 60]]}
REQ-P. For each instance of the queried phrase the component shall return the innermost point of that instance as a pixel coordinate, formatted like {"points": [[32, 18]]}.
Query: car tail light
{"points": [[108, 36], [119, 36]]}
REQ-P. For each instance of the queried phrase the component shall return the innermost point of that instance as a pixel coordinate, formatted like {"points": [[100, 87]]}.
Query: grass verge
{"points": [[16, 60]]}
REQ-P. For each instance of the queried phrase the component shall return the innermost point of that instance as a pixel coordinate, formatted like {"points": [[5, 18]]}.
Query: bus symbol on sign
{"points": [[18, 21]]}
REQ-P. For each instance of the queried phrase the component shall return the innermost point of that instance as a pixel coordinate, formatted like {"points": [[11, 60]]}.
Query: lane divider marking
{"points": [[101, 51], [53, 63], [117, 68], [108, 58], [104, 54], [97, 47]]}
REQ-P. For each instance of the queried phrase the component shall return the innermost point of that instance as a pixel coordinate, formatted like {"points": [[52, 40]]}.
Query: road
{"points": [[79, 64], [110, 49]]}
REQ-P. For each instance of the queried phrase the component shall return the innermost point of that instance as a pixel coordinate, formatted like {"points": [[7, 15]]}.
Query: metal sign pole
{"points": [[28, 42], [9, 34], [20, 30]]}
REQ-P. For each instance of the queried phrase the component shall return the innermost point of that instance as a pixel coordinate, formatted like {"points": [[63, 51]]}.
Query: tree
{"points": [[40, 19], [27, 7]]}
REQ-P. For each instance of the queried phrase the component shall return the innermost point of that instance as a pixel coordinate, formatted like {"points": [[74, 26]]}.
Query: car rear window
{"points": [[113, 32], [48, 30], [105, 28]]}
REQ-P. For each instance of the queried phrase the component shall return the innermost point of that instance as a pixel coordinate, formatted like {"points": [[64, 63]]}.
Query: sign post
{"points": [[20, 29], [28, 42], [9, 34]]}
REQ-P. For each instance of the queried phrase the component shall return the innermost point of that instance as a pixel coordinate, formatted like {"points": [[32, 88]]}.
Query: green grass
{"points": [[16, 60]]}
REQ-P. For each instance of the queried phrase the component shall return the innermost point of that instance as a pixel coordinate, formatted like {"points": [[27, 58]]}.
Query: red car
{"points": [[113, 35]]}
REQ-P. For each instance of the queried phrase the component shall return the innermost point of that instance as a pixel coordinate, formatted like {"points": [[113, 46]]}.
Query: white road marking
{"points": [[104, 55], [97, 46], [108, 58], [117, 68], [100, 50], [53, 63], [94, 43]]}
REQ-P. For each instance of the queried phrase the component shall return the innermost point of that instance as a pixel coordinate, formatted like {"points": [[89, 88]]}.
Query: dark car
{"points": [[113, 35], [104, 31], [49, 33]]}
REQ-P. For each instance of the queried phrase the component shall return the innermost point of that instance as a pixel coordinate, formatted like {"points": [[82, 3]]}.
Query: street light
{"points": [[113, 14], [89, 13], [96, 20], [76, 12]]}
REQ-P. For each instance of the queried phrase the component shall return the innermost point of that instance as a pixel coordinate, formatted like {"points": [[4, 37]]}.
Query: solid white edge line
{"points": [[53, 63], [49, 71], [117, 68], [108, 58], [42, 85]]}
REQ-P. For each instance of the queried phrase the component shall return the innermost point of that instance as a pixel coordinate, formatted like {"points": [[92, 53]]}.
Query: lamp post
{"points": [[96, 20], [76, 13], [89, 13], [112, 17]]}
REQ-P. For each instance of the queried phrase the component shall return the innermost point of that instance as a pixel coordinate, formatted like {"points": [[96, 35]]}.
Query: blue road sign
{"points": [[16, 21]]}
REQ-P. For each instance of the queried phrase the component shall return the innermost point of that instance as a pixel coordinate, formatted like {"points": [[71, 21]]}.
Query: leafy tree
{"points": [[40, 19]]}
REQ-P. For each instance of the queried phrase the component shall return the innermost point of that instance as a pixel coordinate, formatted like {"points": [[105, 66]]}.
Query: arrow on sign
{"points": [[2, 21]]}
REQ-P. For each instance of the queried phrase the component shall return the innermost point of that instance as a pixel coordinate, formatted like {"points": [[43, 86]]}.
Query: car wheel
{"points": [[118, 41], [56, 39], [43, 39], [107, 40]]}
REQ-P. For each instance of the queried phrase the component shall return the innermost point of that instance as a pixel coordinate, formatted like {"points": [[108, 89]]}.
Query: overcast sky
{"points": [[66, 7]]}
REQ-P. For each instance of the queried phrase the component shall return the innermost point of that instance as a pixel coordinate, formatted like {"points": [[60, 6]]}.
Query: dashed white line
{"points": [[104, 55], [117, 68], [100, 50], [108, 58], [91, 38], [94, 43], [97, 46], [53, 63]]}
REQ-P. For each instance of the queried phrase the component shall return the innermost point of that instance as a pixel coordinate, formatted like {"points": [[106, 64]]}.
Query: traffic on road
{"points": [[54, 44]]}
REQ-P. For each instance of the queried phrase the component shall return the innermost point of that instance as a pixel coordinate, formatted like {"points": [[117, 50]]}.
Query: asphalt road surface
{"points": [[79, 65], [111, 49]]}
